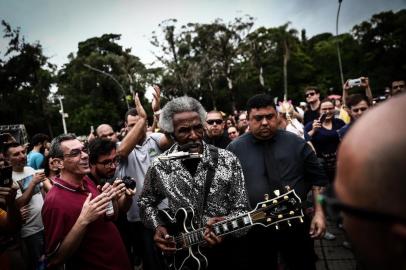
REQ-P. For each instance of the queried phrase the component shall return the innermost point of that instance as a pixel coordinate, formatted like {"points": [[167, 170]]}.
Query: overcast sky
{"points": [[60, 24]]}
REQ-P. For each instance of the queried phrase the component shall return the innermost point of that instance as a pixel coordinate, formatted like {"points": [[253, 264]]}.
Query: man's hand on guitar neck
{"points": [[164, 241], [209, 235]]}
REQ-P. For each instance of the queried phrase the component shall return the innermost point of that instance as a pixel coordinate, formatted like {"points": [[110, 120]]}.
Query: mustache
{"points": [[185, 147]]}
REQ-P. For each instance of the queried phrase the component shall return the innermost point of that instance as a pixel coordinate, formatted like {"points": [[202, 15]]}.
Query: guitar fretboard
{"points": [[221, 228]]}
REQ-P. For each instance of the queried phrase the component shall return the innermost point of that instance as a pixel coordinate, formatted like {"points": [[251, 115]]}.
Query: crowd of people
{"points": [[97, 203]]}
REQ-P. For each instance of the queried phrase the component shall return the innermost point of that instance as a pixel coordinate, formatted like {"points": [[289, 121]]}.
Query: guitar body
{"points": [[277, 211], [189, 257]]}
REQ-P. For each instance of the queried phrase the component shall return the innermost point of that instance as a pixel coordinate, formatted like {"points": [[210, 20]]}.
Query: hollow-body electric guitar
{"points": [[280, 209]]}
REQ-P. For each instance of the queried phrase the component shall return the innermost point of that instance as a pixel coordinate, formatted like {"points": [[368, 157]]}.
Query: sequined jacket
{"points": [[170, 179]]}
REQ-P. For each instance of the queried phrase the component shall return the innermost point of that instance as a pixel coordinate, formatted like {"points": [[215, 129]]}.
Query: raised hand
{"points": [[138, 106], [156, 101]]}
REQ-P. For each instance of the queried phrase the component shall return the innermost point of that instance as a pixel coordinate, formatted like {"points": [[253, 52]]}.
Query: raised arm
{"points": [[137, 132]]}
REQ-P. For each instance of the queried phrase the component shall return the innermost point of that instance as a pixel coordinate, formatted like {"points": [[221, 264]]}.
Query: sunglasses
{"points": [[77, 152], [310, 94], [259, 118], [359, 109], [334, 207], [217, 121]]}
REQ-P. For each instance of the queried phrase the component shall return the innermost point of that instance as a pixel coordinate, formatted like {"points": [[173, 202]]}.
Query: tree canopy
{"points": [[221, 64]]}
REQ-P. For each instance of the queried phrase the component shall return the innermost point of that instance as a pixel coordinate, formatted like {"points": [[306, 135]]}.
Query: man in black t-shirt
{"points": [[313, 100]]}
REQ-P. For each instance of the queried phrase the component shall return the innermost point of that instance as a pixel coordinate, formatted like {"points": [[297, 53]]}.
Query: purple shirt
{"points": [[101, 246]]}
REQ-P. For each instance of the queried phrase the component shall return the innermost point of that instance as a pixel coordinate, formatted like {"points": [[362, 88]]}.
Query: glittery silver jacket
{"points": [[170, 179]]}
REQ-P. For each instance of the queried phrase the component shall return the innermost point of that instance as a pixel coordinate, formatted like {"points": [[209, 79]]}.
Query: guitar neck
{"points": [[220, 228]]}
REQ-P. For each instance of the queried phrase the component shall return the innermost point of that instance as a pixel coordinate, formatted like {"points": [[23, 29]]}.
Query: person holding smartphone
{"points": [[322, 133]]}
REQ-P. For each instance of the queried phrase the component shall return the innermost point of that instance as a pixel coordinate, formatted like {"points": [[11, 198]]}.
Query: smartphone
{"points": [[6, 176], [323, 117]]}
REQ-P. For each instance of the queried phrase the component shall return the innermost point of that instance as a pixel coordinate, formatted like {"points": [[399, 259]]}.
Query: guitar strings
{"points": [[198, 234]]}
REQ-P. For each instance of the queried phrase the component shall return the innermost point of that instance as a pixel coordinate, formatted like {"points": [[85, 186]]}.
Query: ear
{"points": [[58, 162]]}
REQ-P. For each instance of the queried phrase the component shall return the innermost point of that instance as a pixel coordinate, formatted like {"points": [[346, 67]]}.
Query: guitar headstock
{"points": [[282, 208]]}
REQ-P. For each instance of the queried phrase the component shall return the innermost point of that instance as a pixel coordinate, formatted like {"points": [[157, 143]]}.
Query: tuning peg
{"points": [[301, 220], [275, 201], [290, 225], [268, 220], [291, 213], [266, 197], [280, 216], [277, 192], [277, 227], [285, 197], [263, 205], [287, 188]]}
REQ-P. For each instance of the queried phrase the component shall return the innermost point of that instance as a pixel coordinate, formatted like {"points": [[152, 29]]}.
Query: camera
{"points": [[355, 82], [6, 176], [129, 182]]}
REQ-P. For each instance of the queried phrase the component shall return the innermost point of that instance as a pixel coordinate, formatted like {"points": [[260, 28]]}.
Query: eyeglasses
{"points": [[212, 121], [77, 152], [310, 94], [334, 207], [259, 118], [110, 163], [359, 109]]}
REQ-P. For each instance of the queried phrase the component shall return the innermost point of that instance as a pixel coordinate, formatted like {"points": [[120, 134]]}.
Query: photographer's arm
{"points": [[125, 201]]}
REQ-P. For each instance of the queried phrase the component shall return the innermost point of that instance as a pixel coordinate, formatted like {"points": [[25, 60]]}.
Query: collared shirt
{"points": [[290, 161], [170, 179], [101, 246]]}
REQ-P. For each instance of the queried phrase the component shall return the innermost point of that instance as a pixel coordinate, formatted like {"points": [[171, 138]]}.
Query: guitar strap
{"points": [[214, 152]]}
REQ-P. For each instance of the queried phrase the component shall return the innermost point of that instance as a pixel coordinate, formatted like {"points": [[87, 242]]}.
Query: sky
{"points": [[59, 25]]}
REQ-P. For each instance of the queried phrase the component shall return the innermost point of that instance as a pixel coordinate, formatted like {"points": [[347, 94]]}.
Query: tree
{"points": [[26, 77], [91, 96]]}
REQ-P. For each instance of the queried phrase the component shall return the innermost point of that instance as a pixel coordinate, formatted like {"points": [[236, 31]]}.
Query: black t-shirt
{"points": [[285, 159], [220, 142], [310, 116]]}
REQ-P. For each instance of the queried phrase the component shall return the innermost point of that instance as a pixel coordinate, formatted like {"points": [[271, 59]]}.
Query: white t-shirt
{"points": [[136, 166], [34, 222]]}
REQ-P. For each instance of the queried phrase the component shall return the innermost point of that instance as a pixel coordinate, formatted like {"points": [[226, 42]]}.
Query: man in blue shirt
{"points": [[36, 157]]}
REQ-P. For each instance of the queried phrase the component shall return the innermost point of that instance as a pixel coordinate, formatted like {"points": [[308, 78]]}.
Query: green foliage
{"points": [[26, 77], [97, 82], [221, 64]]}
